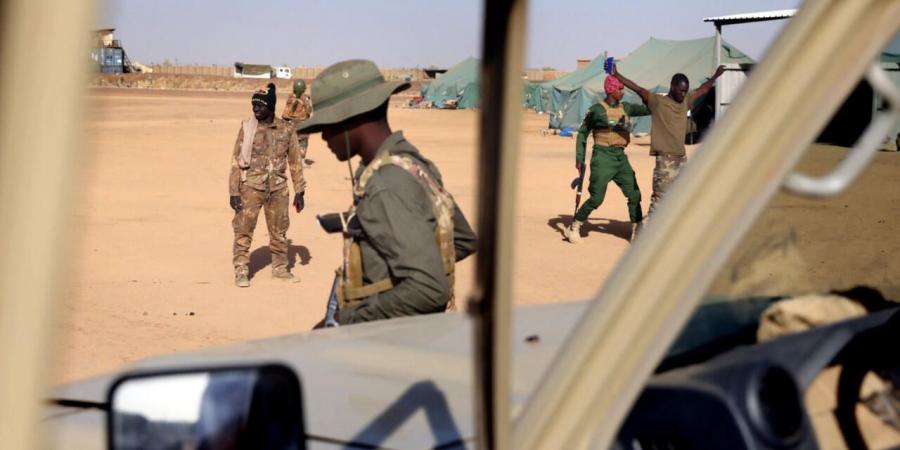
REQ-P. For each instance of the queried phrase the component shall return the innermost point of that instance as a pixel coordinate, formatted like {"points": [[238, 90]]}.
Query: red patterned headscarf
{"points": [[612, 84]]}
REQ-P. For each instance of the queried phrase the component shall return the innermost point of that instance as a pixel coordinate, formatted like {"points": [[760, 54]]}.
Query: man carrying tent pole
{"points": [[668, 126], [609, 122]]}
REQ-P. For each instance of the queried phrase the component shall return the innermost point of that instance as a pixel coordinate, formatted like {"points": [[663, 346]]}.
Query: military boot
{"points": [[636, 229], [282, 273], [573, 232], [242, 276]]}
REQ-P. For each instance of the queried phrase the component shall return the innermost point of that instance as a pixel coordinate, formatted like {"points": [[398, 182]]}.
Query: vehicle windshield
{"points": [[177, 111], [843, 245], [162, 261], [194, 108]]}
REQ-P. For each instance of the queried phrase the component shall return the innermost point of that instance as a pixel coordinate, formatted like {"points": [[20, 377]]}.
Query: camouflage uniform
{"points": [[296, 111], [667, 133], [264, 185], [664, 173]]}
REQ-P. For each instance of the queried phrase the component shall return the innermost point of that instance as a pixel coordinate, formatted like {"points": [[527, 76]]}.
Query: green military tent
{"points": [[459, 83], [546, 96], [651, 65]]}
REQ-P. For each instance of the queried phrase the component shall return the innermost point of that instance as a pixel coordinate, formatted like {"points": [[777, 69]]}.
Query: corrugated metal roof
{"points": [[753, 17]]}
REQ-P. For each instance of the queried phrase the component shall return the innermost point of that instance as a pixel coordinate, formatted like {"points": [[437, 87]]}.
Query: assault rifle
{"points": [[340, 223], [348, 224]]}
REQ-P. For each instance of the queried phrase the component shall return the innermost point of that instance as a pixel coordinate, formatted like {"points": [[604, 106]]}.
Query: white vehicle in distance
{"points": [[284, 72]]}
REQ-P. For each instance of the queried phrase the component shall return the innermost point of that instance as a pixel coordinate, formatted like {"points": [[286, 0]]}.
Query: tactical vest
{"points": [[297, 109], [608, 137], [350, 289]]}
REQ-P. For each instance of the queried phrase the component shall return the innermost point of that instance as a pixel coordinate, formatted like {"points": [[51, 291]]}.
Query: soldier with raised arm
{"points": [[668, 126]]}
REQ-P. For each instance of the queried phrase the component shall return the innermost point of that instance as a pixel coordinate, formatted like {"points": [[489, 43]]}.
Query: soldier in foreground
{"points": [[609, 122], [297, 109], [264, 149], [668, 126], [403, 234]]}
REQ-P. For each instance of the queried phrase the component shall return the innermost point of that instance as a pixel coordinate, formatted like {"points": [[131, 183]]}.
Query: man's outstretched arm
{"points": [[645, 94], [705, 87]]}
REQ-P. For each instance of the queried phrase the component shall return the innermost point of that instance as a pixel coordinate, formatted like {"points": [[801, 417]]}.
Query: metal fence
{"points": [[307, 73]]}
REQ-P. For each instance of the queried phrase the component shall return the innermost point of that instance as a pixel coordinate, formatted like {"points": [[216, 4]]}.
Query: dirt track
{"points": [[151, 269]]}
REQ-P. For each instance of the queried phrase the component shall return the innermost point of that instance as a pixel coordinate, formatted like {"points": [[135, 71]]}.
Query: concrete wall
{"points": [[536, 76]]}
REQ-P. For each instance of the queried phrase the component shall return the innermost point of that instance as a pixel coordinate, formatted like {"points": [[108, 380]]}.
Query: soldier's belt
{"points": [[348, 295]]}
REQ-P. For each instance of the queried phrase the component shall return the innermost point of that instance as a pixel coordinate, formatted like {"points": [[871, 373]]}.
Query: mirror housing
{"points": [[223, 408]]}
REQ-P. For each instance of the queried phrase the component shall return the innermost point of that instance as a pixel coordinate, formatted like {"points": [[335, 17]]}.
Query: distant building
{"points": [[284, 72], [734, 77], [104, 37], [108, 54], [264, 71]]}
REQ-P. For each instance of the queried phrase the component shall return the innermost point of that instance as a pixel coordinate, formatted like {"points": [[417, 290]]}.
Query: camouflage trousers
{"points": [[665, 172], [276, 208]]}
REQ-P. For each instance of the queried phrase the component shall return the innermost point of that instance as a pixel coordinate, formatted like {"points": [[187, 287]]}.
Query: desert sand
{"points": [[151, 271]]}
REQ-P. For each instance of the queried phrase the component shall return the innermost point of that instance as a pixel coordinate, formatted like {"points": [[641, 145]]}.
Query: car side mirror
{"points": [[228, 408]]}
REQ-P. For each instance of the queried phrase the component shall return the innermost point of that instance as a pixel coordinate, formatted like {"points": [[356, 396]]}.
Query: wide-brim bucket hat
{"points": [[347, 89]]}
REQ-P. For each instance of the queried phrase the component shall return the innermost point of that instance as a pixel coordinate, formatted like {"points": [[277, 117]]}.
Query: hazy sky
{"points": [[411, 32]]}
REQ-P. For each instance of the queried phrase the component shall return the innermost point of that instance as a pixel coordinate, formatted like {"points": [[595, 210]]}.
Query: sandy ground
{"points": [[802, 245], [151, 263]]}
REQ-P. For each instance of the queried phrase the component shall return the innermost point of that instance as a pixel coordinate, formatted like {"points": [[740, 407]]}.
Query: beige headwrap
{"points": [[249, 127]]}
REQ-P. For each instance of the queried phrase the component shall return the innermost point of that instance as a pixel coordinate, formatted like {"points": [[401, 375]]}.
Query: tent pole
{"points": [[718, 62]]}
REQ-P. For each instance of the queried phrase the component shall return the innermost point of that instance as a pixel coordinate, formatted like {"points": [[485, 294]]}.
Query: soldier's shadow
{"points": [[616, 228], [261, 257]]}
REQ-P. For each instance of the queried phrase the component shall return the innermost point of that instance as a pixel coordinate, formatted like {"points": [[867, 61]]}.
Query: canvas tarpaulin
{"points": [[459, 83], [541, 97]]}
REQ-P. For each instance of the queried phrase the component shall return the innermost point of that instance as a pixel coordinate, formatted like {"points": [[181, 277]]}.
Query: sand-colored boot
{"points": [[282, 273], [573, 232], [242, 276]]}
